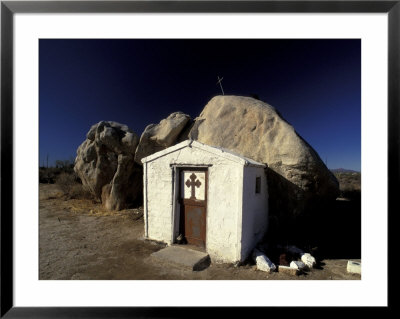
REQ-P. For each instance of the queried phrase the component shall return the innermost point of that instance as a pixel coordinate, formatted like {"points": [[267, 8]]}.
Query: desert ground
{"points": [[80, 240]]}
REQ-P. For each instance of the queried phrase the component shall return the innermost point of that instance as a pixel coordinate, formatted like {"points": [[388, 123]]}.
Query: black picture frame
{"points": [[9, 8]]}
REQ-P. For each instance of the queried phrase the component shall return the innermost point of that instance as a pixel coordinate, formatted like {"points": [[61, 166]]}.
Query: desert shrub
{"points": [[49, 175], [79, 192], [65, 166], [66, 182], [350, 185], [351, 193], [70, 185]]}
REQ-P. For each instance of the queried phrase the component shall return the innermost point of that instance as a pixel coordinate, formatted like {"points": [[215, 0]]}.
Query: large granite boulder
{"points": [[157, 137], [105, 164], [297, 177]]}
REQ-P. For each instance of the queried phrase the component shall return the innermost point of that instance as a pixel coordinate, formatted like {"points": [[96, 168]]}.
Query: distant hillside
{"points": [[343, 170], [349, 182]]}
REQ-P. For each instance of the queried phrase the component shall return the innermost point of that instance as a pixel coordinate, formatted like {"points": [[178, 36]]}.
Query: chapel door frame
{"points": [[176, 206]]}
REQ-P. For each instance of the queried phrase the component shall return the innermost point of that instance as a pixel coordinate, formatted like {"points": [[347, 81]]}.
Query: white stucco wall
{"points": [[224, 202], [158, 188], [255, 210], [223, 205]]}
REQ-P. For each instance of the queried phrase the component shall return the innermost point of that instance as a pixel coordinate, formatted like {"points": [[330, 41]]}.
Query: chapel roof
{"points": [[213, 149]]}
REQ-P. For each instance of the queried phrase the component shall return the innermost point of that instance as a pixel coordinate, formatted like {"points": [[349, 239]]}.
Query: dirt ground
{"points": [[79, 240]]}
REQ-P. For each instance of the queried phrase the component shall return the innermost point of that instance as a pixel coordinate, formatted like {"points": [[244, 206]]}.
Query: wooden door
{"points": [[193, 198]]}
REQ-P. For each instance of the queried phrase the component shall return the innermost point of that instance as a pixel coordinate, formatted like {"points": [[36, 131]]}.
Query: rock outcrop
{"points": [[108, 161], [105, 164], [296, 175], [157, 137]]}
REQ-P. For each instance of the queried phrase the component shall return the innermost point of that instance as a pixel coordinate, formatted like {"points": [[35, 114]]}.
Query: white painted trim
{"points": [[175, 208], [168, 150], [240, 215], [145, 208], [179, 165], [211, 149], [266, 193]]}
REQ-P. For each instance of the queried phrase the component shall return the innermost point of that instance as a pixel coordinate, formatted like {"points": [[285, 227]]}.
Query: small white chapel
{"points": [[216, 200]]}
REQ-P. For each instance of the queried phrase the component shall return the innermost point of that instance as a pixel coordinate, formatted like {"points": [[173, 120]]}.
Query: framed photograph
{"points": [[163, 155]]}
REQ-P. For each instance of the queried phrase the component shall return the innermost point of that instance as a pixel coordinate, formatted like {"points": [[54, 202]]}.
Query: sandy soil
{"points": [[79, 240]]}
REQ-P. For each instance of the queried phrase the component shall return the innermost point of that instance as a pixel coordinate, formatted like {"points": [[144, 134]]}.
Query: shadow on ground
{"points": [[331, 231]]}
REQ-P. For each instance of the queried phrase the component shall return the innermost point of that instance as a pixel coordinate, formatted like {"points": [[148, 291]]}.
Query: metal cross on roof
{"points": [[219, 82]]}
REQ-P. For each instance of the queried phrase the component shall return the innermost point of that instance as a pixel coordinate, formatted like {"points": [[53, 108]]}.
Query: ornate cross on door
{"points": [[193, 183]]}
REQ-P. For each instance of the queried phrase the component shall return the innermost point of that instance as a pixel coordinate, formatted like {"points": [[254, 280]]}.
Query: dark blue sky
{"points": [[314, 84]]}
